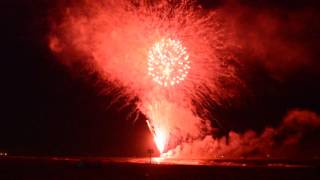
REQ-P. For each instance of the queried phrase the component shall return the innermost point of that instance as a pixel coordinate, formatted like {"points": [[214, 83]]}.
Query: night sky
{"points": [[47, 110]]}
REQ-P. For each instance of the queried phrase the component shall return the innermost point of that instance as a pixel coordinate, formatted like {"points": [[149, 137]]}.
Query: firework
{"points": [[159, 137], [169, 55], [168, 62]]}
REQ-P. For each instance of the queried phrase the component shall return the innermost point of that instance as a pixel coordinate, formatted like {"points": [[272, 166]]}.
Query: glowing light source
{"points": [[168, 62], [160, 140], [159, 137]]}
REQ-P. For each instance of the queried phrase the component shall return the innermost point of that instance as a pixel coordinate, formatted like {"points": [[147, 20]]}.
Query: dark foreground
{"points": [[140, 168]]}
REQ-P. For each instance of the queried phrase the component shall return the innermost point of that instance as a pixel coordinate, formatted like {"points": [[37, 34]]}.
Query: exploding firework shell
{"points": [[168, 62]]}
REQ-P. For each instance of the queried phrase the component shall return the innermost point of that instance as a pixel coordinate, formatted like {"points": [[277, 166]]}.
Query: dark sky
{"points": [[47, 110]]}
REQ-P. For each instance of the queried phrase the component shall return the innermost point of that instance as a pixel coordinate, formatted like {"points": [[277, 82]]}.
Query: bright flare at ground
{"points": [[159, 137], [160, 140], [168, 62]]}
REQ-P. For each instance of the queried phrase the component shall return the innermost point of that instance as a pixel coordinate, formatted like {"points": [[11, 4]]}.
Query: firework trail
{"points": [[172, 55]]}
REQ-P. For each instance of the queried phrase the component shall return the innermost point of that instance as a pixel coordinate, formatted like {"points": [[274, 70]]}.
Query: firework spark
{"points": [[151, 48], [159, 137], [168, 62]]}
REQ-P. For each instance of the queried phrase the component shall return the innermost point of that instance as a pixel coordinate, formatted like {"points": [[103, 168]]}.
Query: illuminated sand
{"points": [[24, 167]]}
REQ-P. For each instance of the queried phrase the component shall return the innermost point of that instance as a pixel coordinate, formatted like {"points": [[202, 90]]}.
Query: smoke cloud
{"points": [[281, 40], [285, 141]]}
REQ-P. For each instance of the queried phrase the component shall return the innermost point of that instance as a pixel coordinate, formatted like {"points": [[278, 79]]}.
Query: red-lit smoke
{"points": [[119, 40], [123, 41], [284, 141]]}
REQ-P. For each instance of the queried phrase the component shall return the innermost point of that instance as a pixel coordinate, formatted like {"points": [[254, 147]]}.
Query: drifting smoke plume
{"points": [[281, 40], [284, 141]]}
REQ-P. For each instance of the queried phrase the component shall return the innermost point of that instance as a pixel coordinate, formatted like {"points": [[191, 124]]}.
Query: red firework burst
{"points": [[168, 62], [125, 42]]}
